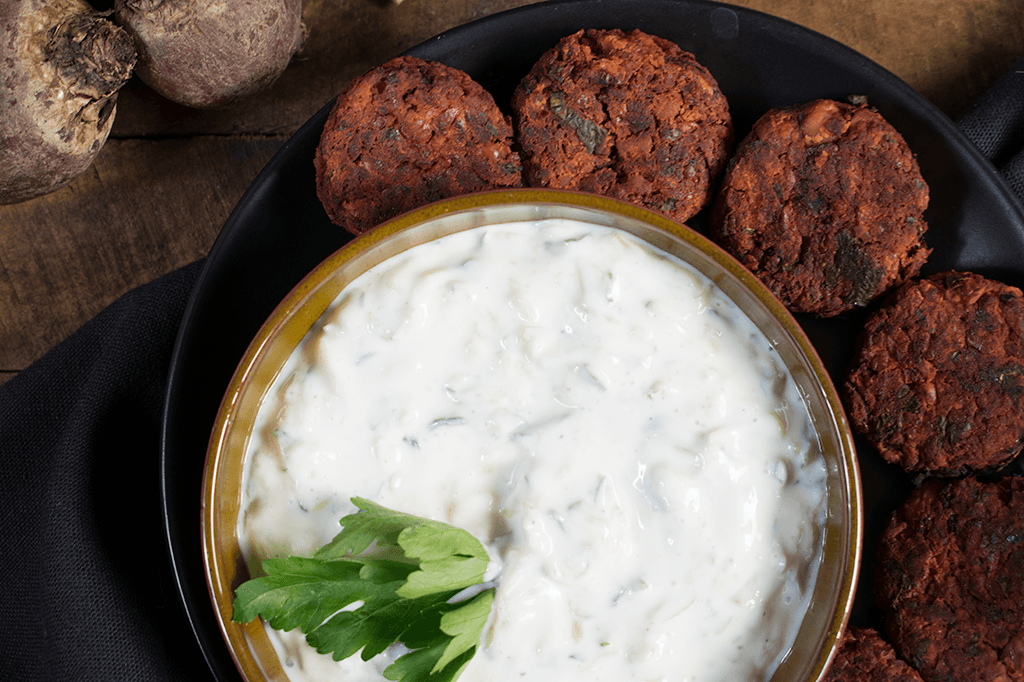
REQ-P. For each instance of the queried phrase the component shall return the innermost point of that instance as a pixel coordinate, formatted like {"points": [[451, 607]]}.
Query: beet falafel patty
{"points": [[408, 133], [627, 115], [863, 656], [951, 563], [824, 203], [937, 375]]}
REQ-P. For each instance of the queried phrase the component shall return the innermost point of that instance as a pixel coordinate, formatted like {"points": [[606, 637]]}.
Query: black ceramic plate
{"points": [[279, 231]]}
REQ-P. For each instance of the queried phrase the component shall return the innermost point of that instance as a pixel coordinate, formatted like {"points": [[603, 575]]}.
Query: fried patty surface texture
{"points": [[405, 134], [951, 563], [863, 656], [824, 202], [937, 375], [627, 115]]}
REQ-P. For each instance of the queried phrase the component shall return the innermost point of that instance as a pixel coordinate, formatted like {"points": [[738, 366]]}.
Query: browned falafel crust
{"points": [[627, 115], [863, 656], [951, 563], [824, 202], [937, 375], [405, 134]]}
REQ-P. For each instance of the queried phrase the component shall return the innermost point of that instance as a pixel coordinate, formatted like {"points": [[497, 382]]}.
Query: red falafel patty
{"points": [[408, 133], [951, 563], [824, 202], [937, 375], [863, 656], [627, 115]]}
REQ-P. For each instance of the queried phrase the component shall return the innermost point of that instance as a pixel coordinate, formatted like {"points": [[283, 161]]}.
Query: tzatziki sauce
{"points": [[619, 435]]}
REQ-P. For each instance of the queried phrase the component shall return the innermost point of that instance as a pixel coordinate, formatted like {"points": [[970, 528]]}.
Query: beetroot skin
{"points": [[211, 53], [63, 64]]}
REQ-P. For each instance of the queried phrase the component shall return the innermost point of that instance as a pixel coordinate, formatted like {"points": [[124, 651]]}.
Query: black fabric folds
{"points": [[995, 124], [87, 591], [87, 587]]}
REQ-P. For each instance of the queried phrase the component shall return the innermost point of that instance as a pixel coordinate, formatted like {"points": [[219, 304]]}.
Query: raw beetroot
{"points": [[62, 65], [211, 53]]}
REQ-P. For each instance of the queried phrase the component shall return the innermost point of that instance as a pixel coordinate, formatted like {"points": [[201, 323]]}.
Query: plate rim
{"points": [[1010, 204]]}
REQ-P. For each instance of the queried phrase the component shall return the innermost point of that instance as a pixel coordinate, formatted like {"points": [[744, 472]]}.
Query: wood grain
{"points": [[162, 187], [144, 208], [950, 51]]}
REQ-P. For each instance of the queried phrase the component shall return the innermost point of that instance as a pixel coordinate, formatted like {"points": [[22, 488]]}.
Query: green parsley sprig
{"points": [[386, 578]]}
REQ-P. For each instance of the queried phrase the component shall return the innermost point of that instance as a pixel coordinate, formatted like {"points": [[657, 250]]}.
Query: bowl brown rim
{"points": [[248, 643]]}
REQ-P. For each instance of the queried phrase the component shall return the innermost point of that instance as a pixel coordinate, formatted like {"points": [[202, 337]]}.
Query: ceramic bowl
{"points": [[833, 590]]}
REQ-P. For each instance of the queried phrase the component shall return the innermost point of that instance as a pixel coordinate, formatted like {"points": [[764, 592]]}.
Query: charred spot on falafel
{"points": [[824, 202]]}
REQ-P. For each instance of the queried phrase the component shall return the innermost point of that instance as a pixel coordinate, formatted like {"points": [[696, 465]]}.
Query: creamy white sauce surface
{"points": [[613, 429]]}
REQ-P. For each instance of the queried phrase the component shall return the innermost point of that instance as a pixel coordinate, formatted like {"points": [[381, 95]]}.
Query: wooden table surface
{"points": [[169, 176]]}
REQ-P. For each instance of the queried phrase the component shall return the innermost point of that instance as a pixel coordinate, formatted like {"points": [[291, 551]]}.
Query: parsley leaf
{"points": [[386, 578]]}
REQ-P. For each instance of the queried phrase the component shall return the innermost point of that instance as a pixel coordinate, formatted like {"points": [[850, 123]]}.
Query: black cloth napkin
{"points": [[87, 589], [995, 124]]}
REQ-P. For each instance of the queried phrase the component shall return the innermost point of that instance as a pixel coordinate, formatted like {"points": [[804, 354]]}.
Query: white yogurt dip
{"points": [[618, 434]]}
